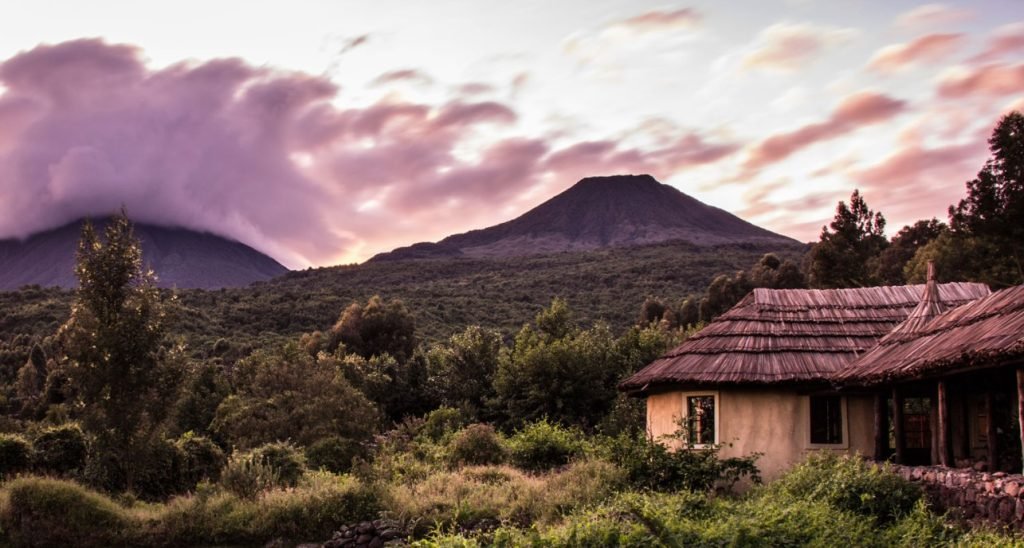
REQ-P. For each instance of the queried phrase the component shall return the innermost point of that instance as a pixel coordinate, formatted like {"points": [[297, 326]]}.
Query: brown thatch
{"points": [[790, 336], [986, 332]]}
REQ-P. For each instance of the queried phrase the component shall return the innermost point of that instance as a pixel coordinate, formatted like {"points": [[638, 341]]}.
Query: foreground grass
{"points": [[825, 502]]}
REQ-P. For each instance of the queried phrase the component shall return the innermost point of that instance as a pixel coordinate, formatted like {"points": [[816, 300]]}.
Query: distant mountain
{"points": [[599, 212], [181, 258]]}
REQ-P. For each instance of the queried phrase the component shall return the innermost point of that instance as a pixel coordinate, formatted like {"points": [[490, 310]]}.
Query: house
{"points": [[950, 382], [759, 377]]}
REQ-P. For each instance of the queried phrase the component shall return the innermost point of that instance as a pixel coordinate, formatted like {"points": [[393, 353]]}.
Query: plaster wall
{"points": [[773, 422]]}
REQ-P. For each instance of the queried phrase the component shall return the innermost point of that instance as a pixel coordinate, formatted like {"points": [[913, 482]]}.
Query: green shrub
{"points": [[543, 446], [15, 455], [53, 512], [287, 461], [442, 422], [333, 454], [159, 473], [202, 460], [651, 465], [60, 450], [849, 483], [477, 444], [247, 476]]}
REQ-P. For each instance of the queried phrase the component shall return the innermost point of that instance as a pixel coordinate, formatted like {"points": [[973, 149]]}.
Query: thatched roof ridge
{"points": [[790, 335], [988, 331]]}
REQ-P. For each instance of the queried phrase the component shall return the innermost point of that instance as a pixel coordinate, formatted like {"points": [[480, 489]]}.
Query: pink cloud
{"points": [[786, 46], [931, 15], [926, 49], [853, 112], [918, 182], [655, 21], [404, 75], [1005, 40], [992, 80], [269, 158]]}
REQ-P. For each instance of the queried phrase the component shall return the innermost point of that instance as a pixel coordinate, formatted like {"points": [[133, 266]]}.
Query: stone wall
{"points": [[996, 498]]}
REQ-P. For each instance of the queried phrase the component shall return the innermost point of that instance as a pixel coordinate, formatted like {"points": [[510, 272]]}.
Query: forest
{"points": [[450, 403]]}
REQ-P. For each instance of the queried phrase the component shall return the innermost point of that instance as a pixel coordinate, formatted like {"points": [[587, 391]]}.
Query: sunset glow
{"points": [[325, 132]]}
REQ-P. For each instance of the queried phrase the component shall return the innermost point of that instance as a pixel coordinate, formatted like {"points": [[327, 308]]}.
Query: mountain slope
{"points": [[180, 258], [598, 212]]}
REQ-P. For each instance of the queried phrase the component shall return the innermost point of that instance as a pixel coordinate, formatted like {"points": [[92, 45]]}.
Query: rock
{"points": [[364, 539], [376, 543]]}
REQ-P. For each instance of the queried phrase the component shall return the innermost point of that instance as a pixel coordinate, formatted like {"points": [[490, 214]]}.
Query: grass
{"points": [[587, 503]]}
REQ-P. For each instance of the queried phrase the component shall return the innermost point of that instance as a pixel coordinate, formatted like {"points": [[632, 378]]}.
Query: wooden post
{"points": [[945, 449], [990, 430], [965, 416], [897, 425], [881, 427], [1020, 406]]}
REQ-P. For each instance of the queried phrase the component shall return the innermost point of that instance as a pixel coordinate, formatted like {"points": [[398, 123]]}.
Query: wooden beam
{"points": [[990, 430], [965, 418], [881, 427], [945, 449], [1020, 406], [897, 425]]}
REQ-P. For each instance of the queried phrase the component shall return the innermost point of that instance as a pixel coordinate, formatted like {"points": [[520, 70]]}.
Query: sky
{"points": [[323, 132]]}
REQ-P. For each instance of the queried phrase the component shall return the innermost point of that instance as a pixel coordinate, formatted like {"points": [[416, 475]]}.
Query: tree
{"points": [[374, 329], [653, 310], [558, 371], [461, 371], [285, 394], [890, 264], [123, 374], [842, 256], [993, 210], [31, 379]]}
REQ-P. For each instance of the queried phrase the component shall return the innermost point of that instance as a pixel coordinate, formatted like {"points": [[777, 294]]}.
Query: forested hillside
{"points": [[444, 296]]}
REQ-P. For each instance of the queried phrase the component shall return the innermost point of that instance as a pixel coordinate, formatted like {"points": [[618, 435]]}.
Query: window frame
{"points": [[685, 416], [844, 423]]}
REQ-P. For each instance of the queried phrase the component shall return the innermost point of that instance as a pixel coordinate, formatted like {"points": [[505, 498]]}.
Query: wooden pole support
{"points": [[897, 425], [945, 450]]}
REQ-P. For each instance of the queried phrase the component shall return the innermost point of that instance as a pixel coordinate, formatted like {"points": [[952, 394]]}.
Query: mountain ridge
{"points": [[179, 257], [594, 213]]}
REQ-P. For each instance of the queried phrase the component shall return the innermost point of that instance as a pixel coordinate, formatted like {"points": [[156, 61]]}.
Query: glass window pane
{"points": [[826, 420], [700, 419]]}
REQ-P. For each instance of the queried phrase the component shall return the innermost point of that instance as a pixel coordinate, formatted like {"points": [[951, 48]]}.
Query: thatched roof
{"points": [[790, 336], [988, 331]]}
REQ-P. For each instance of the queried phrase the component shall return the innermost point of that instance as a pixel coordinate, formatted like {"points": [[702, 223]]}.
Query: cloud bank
{"points": [[272, 158]]}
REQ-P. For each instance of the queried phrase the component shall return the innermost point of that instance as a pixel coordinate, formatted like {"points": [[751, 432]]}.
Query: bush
{"points": [[333, 454], [247, 477], [53, 512], [14, 455], [477, 444], [651, 465], [159, 471], [849, 483], [60, 450], [442, 422], [543, 446], [202, 460], [288, 463]]}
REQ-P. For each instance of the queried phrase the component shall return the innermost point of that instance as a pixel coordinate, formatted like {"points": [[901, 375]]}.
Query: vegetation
{"points": [[475, 403], [826, 501]]}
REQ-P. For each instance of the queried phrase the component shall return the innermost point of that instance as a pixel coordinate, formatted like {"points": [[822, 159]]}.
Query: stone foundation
{"points": [[996, 498]]}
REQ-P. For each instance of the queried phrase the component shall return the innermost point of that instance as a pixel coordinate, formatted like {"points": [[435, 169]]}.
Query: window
{"points": [[826, 420], [700, 419]]}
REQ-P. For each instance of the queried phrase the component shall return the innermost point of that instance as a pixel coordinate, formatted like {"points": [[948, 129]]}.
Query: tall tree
{"points": [[890, 264], [993, 210], [124, 375], [842, 256]]}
